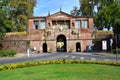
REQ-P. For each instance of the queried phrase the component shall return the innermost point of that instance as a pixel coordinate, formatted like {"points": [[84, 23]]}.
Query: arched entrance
{"points": [[61, 43], [78, 47], [44, 47]]}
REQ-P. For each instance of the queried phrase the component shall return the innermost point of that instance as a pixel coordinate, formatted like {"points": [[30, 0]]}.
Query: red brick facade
{"points": [[60, 32]]}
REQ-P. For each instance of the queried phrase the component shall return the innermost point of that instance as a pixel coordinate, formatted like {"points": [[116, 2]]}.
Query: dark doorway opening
{"points": [[61, 43], [44, 47], [78, 47]]}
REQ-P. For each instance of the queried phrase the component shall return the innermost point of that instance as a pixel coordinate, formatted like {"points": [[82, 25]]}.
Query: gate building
{"points": [[60, 32]]}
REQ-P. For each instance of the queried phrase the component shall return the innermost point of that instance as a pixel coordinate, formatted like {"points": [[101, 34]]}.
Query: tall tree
{"points": [[116, 28], [2, 18], [2, 25], [18, 12], [116, 18], [107, 11], [75, 11], [86, 8], [13, 15]]}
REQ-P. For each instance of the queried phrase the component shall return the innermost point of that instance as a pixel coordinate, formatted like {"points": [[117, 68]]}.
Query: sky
{"points": [[43, 6]]}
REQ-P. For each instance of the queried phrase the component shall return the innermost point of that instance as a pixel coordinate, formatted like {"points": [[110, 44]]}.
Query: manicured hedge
{"points": [[6, 53], [114, 51], [17, 33], [64, 61]]}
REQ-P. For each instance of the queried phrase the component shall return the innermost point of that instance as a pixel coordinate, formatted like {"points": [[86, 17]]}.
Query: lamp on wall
{"points": [[74, 32], [48, 32], [61, 28], [73, 24]]}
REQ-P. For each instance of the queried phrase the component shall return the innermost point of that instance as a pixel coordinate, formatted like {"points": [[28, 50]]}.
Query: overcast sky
{"points": [[43, 6]]}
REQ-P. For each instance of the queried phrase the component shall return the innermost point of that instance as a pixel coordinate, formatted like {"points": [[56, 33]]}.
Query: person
{"points": [[89, 48], [34, 48], [78, 49]]}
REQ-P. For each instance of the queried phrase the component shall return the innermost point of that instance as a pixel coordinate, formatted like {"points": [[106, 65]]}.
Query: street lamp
{"points": [[116, 47]]}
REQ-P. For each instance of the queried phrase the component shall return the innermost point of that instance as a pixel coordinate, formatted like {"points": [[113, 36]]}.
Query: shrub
{"points": [[114, 51], [5, 53]]}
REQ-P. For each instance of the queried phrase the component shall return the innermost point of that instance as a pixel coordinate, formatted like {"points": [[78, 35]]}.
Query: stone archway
{"points": [[44, 47], [61, 43], [78, 47]]}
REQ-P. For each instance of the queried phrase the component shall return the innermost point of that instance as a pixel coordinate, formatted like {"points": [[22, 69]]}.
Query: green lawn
{"points": [[63, 72]]}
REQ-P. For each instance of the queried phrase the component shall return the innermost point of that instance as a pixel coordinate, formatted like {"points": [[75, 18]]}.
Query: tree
{"points": [[17, 12], [107, 11], [2, 19], [2, 28], [103, 17], [75, 11], [13, 15], [86, 8], [116, 28]]}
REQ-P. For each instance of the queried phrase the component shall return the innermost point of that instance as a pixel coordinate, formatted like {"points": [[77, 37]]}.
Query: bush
{"points": [[6, 53], [114, 51]]}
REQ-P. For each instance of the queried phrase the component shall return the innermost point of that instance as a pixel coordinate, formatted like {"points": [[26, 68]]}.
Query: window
{"points": [[62, 25], [36, 24], [78, 24], [43, 25], [67, 24], [49, 24], [85, 24]]}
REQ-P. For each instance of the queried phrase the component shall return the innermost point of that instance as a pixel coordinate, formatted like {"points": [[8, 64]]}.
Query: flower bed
{"points": [[64, 61]]}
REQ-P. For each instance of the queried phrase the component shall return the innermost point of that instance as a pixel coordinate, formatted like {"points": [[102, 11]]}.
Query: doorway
{"points": [[61, 43], [78, 47], [44, 47]]}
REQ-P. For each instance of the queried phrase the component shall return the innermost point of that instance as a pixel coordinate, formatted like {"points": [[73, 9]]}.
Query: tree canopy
{"points": [[17, 12], [14, 14], [2, 19], [107, 13]]}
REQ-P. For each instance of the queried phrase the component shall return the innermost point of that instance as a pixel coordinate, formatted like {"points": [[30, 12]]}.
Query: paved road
{"points": [[53, 56]]}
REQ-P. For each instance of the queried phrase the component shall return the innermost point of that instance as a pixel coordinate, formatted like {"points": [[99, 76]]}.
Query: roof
{"points": [[36, 17], [62, 13]]}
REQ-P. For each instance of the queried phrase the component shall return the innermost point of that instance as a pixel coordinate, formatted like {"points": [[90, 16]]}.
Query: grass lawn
{"points": [[63, 72]]}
